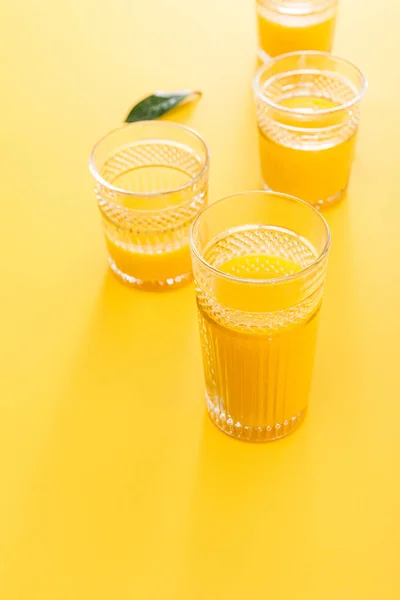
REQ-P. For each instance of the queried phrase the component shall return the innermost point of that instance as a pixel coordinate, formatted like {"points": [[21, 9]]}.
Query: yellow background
{"points": [[114, 484]]}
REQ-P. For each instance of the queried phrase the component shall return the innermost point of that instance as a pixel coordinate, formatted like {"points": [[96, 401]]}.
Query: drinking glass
{"points": [[259, 262], [292, 25], [151, 181], [308, 110]]}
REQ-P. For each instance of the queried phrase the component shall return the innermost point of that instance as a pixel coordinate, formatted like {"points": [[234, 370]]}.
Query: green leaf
{"points": [[159, 103]]}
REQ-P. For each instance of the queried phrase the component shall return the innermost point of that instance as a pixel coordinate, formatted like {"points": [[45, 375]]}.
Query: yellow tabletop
{"points": [[114, 484]]}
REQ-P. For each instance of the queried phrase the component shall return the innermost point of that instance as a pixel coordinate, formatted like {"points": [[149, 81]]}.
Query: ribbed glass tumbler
{"points": [[308, 111], [151, 181], [259, 261]]}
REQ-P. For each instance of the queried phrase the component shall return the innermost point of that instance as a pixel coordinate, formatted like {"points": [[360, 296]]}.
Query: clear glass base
{"points": [[225, 423], [319, 204], [152, 286]]}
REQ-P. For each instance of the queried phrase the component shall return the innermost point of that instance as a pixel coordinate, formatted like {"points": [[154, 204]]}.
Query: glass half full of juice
{"points": [[308, 110], [292, 25], [259, 261], [151, 181]]}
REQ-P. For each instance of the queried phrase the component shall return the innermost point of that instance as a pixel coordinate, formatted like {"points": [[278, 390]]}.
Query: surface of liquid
{"points": [[258, 365], [280, 33], [315, 168]]}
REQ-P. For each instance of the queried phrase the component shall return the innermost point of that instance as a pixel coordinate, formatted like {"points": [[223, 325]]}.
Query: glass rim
{"points": [[321, 6], [270, 281], [301, 111], [174, 125]]}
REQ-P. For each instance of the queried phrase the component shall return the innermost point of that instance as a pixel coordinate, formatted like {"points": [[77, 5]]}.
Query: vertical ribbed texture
{"points": [[258, 365], [257, 385]]}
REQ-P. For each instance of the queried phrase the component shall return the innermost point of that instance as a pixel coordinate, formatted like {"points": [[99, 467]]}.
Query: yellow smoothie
{"points": [[147, 233], [258, 365], [152, 266], [279, 34], [315, 168]]}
